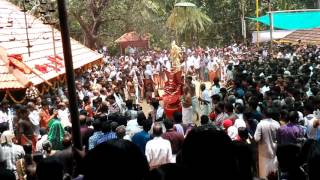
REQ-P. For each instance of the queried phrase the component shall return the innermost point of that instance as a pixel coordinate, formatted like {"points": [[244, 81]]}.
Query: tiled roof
{"points": [[131, 36], [311, 36], [14, 40]]}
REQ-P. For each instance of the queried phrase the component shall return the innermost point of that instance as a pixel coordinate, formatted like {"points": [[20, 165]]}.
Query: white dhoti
{"points": [[205, 109], [195, 109], [187, 115], [267, 166]]}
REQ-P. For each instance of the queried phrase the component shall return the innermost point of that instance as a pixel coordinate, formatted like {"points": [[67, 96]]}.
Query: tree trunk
{"points": [[90, 27], [89, 41]]}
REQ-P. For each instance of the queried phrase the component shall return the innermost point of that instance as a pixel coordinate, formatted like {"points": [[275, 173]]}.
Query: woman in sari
{"points": [[56, 133]]}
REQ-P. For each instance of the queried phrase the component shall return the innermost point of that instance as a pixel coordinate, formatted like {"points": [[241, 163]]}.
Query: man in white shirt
{"points": [[158, 150], [205, 100], [6, 116], [197, 65], [44, 137], [239, 122], [266, 138], [64, 115], [10, 152], [34, 117], [119, 100]]}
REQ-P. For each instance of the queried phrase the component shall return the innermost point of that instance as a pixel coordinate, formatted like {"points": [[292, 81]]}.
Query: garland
{"points": [[15, 100], [62, 80], [42, 90], [5, 96]]}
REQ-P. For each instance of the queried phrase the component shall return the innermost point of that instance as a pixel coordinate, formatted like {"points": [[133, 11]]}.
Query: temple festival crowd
{"points": [[259, 117]]}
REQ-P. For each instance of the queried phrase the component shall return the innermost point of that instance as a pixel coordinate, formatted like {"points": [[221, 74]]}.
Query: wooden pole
{"points": [[271, 29], [26, 24], [257, 23], [73, 105], [54, 47]]}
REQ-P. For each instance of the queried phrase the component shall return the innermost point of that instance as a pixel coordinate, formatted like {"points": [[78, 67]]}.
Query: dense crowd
{"points": [[260, 117]]}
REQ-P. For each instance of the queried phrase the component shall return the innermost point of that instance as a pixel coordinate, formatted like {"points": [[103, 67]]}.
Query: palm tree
{"points": [[188, 21]]}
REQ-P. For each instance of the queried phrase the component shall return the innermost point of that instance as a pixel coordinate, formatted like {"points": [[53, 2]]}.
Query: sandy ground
{"points": [[146, 107]]}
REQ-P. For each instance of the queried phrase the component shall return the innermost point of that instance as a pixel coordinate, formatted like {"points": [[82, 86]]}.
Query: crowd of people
{"points": [[259, 117]]}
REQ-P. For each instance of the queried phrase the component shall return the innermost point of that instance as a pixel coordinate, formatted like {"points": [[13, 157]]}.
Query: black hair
{"points": [[313, 161], [49, 169], [83, 112], [239, 108], [228, 107], [168, 124], [106, 127], [293, 117], [147, 124], [7, 175], [196, 142], [86, 99], [43, 131], [216, 81], [44, 103], [129, 104], [141, 117], [125, 160], [177, 117], [243, 133], [111, 97], [96, 124], [202, 87], [308, 106], [27, 148], [220, 107], [157, 129], [284, 115], [68, 129], [155, 103], [167, 172], [216, 97], [114, 126], [204, 119]]}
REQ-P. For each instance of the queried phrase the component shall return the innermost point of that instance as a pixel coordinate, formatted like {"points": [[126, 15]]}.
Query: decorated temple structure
{"points": [[33, 59]]}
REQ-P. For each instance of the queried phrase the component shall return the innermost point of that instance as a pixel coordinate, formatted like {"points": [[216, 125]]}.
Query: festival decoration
{"points": [[32, 92], [56, 60], [172, 91], [175, 55], [15, 61], [41, 68], [56, 64]]}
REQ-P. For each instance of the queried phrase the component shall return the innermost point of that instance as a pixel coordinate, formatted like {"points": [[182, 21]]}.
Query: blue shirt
{"points": [[140, 139], [93, 140], [106, 137]]}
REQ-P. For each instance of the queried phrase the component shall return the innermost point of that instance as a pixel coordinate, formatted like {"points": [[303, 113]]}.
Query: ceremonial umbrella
{"points": [[184, 4]]}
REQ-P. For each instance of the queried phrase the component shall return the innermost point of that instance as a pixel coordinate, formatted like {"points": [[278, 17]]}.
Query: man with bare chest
{"points": [[194, 99]]}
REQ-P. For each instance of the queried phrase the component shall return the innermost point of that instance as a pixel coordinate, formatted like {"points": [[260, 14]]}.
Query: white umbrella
{"points": [[184, 4]]}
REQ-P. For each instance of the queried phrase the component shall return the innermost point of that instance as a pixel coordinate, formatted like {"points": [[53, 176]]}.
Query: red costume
{"points": [[172, 93]]}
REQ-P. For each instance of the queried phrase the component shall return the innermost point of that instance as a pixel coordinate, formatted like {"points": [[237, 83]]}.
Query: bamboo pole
{"points": [[73, 105], [257, 23]]}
